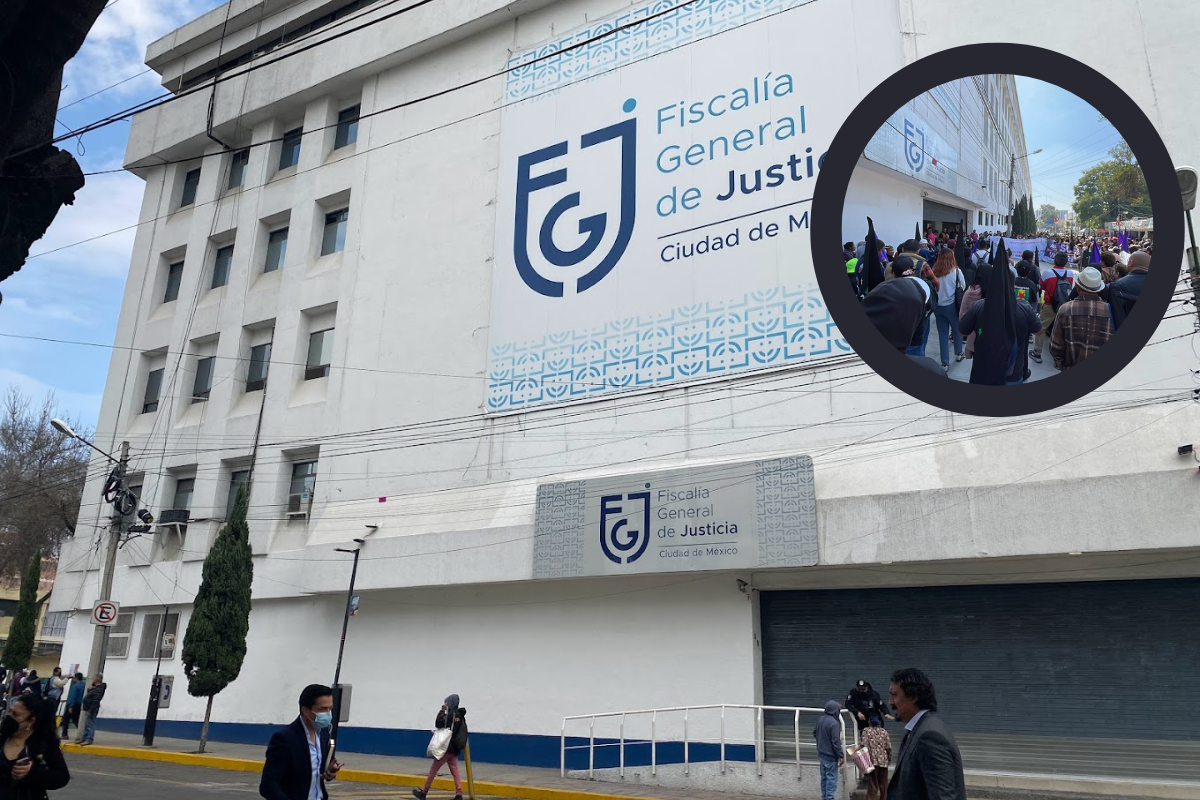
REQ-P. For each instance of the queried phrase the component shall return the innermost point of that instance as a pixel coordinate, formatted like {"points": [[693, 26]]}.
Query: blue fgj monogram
{"points": [[914, 152], [621, 543], [593, 227]]}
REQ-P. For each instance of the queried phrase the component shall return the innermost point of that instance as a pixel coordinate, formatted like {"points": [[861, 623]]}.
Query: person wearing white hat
{"points": [[1083, 325]]}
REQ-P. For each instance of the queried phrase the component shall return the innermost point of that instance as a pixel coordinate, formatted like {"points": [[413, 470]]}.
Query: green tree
{"points": [[19, 647], [1046, 214], [1112, 189], [214, 645]]}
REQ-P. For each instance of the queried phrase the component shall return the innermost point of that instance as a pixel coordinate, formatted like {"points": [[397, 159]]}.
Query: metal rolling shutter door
{"points": [[1105, 659]]}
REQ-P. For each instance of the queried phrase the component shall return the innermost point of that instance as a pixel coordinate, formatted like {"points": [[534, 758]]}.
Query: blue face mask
{"points": [[323, 720]]}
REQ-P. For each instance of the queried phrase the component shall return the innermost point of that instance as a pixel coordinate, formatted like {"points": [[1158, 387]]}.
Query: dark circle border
{"points": [[829, 198]]}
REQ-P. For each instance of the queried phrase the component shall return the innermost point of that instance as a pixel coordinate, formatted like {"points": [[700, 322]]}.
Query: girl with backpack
{"points": [[452, 717]]}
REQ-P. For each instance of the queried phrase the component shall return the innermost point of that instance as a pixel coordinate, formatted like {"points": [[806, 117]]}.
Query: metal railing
{"points": [[759, 742]]}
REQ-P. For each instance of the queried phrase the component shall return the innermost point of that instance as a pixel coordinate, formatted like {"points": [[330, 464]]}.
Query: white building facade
{"points": [[943, 160], [467, 319]]}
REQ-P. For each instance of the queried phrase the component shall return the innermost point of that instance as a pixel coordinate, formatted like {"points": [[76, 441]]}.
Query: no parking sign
{"points": [[104, 613]]}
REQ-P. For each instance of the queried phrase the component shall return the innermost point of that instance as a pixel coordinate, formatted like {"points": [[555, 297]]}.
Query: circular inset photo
{"points": [[997, 231]]}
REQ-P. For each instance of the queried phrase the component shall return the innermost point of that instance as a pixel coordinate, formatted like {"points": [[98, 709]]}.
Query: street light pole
{"points": [[116, 525], [1187, 186], [337, 671]]}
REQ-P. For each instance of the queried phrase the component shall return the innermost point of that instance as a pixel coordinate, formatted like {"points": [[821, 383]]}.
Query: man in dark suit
{"points": [[929, 766], [295, 768]]}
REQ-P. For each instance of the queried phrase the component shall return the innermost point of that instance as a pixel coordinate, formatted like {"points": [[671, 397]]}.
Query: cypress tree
{"points": [[214, 645], [19, 647]]}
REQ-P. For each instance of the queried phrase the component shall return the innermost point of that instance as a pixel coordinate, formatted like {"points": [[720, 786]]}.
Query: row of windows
{"points": [[285, 38], [156, 627], [345, 135], [317, 365], [301, 486], [333, 240]]}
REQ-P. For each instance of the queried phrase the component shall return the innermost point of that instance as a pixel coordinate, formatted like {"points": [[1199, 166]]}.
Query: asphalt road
{"points": [[104, 778]]}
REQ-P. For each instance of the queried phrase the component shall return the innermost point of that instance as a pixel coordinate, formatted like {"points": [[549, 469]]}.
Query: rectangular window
{"points": [[183, 493], [289, 155], [334, 238], [236, 481], [302, 486], [174, 278], [118, 636], [221, 266], [191, 182], [980, 222], [153, 387], [260, 359], [276, 250], [347, 128], [54, 624], [156, 628], [203, 385], [237, 168], [320, 350]]}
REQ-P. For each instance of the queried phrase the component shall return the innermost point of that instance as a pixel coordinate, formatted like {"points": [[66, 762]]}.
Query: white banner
{"points": [[652, 218], [908, 145]]}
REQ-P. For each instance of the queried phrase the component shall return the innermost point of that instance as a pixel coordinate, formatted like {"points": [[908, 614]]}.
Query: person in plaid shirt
{"points": [[1083, 325]]}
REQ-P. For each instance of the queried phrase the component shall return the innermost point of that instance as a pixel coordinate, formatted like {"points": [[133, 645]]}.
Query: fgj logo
{"points": [[914, 152], [593, 227], [625, 526]]}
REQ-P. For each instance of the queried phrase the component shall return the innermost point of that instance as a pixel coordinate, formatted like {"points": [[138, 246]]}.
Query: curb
{"points": [[516, 791]]}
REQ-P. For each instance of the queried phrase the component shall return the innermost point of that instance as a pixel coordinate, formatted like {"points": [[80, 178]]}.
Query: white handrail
{"points": [[760, 741]]}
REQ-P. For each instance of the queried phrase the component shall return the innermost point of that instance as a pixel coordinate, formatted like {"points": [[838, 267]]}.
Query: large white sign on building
{"points": [[652, 220], [907, 144]]}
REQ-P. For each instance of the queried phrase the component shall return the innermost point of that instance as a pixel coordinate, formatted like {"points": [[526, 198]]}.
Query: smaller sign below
{"points": [[164, 692], [104, 613], [353, 605]]}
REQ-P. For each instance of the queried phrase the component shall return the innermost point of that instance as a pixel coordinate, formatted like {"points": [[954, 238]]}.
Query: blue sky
{"points": [[1070, 134], [75, 293]]}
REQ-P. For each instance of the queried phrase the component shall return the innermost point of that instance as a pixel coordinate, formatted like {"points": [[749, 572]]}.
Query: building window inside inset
{"points": [[191, 182], [333, 240], [300, 490], [236, 481], [183, 493], [289, 155], [347, 128], [174, 278], [320, 351], [260, 359], [276, 250], [221, 265], [153, 387]]}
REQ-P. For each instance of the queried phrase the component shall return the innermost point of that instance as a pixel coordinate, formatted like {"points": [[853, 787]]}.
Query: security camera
{"points": [[741, 584], [924, 194], [1184, 449]]}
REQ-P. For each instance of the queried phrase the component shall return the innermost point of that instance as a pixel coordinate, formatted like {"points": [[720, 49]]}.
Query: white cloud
{"points": [[115, 49], [82, 406], [105, 204]]}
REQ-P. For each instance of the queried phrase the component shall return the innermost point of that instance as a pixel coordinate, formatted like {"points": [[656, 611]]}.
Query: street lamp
{"points": [[1187, 187], [66, 430], [338, 694]]}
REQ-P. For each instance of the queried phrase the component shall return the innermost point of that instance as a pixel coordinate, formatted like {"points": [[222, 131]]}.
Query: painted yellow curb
{"points": [[355, 775]]}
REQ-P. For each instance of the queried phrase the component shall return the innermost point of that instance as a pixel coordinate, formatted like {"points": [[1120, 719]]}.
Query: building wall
{"points": [[900, 486]]}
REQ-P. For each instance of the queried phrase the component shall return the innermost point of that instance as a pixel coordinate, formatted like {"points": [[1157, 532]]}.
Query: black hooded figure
{"points": [[918, 237], [996, 342], [960, 247], [873, 269], [897, 309]]}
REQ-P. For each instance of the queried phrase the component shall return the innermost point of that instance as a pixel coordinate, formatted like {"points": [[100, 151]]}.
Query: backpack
{"points": [[1062, 289]]}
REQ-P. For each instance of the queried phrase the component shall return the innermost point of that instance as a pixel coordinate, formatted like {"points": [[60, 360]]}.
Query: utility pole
{"points": [[116, 526], [338, 694]]}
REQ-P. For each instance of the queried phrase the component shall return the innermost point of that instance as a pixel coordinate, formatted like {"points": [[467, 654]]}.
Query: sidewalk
{"points": [[501, 780]]}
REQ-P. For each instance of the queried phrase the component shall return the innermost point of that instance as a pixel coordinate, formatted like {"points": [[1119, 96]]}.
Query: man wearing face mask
{"points": [[295, 766]]}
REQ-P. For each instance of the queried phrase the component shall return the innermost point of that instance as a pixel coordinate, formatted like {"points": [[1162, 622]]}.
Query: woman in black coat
{"points": [[31, 762], [451, 716]]}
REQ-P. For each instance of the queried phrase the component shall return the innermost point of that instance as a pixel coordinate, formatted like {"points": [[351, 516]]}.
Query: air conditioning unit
{"points": [[173, 522], [299, 505]]}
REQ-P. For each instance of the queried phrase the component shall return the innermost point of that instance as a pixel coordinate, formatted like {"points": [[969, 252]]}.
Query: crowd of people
{"points": [[993, 306]]}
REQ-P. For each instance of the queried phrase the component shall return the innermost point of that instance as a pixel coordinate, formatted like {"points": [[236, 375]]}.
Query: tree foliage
{"points": [[42, 474], [18, 650], [1113, 189], [1045, 216], [214, 645]]}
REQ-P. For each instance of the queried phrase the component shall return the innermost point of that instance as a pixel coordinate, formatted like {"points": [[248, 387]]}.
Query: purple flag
{"points": [[1095, 256]]}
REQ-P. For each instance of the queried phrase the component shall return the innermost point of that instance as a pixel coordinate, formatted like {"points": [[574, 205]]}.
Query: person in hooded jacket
{"points": [[975, 292], [830, 750], [898, 310], [31, 761], [999, 360], [452, 716]]}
